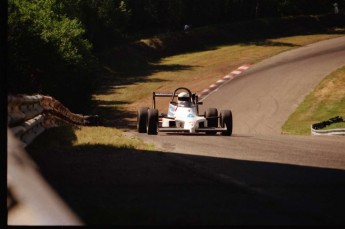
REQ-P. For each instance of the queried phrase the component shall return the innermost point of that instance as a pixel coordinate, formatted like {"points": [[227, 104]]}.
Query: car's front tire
{"points": [[212, 119], [152, 122], [142, 116], [226, 121]]}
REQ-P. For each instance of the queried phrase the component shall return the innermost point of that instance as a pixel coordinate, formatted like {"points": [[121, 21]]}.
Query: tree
{"points": [[105, 21], [47, 51]]}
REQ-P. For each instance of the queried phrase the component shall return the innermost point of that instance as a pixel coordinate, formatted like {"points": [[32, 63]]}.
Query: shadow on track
{"points": [[116, 186]]}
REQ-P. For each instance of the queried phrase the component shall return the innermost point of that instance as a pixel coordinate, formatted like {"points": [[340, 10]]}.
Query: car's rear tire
{"points": [[212, 119], [152, 122], [142, 119], [226, 121]]}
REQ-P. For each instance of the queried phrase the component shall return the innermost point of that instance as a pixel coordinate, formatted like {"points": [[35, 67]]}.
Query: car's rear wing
{"points": [[158, 94], [171, 95]]}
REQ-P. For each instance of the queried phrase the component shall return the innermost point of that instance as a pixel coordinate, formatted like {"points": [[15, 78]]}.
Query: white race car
{"points": [[183, 116]]}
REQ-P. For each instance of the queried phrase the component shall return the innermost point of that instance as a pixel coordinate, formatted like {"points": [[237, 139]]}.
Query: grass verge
{"points": [[71, 138], [326, 101], [195, 70]]}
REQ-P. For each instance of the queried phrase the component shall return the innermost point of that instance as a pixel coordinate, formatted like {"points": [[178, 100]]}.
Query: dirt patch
{"points": [[330, 87]]}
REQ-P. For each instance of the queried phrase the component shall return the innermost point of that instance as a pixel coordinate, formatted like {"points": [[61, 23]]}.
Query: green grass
{"points": [[108, 136], [326, 101], [339, 125], [70, 138], [197, 70]]}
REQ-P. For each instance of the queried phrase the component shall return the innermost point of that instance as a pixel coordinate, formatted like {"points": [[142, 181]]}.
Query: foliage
{"points": [[104, 20], [52, 43], [173, 14], [324, 102], [47, 51]]}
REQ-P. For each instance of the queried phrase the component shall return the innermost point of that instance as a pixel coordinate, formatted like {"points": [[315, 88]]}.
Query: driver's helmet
{"points": [[183, 99]]}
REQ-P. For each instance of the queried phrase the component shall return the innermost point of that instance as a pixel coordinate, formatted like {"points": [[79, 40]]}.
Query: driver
{"points": [[183, 99]]}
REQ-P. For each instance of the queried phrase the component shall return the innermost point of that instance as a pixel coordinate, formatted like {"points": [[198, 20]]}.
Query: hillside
{"points": [[196, 59], [127, 59]]}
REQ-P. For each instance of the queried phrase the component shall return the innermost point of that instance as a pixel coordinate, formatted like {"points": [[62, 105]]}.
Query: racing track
{"points": [[255, 177], [267, 93], [304, 177]]}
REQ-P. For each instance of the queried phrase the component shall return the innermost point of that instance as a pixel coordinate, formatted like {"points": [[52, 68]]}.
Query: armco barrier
{"points": [[29, 115], [30, 200], [316, 129]]}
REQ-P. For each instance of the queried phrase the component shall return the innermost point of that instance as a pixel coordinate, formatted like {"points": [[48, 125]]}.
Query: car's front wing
{"points": [[202, 129]]}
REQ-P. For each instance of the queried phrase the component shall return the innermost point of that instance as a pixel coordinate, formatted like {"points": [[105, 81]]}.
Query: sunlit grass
{"points": [[108, 136], [206, 67], [306, 39], [69, 138], [339, 125], [326, 101]]}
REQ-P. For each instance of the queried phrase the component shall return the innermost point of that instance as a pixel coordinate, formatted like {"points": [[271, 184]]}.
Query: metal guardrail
{"points": [[28, 116], [30, 200], [316, 129]]}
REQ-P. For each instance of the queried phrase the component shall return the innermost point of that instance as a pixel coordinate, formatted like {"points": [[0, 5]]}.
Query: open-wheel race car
{"points": [[183, 116]]}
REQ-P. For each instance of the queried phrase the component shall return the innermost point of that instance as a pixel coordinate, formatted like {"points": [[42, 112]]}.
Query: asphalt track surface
{"points": [[265, 95], [303, 176], [255, 177]]}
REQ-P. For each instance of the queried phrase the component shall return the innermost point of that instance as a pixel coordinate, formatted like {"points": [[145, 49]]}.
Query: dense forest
{"points": [[53, 44]]}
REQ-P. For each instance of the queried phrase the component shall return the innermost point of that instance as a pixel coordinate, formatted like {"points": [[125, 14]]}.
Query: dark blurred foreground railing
{"points": [[30, 200]]}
